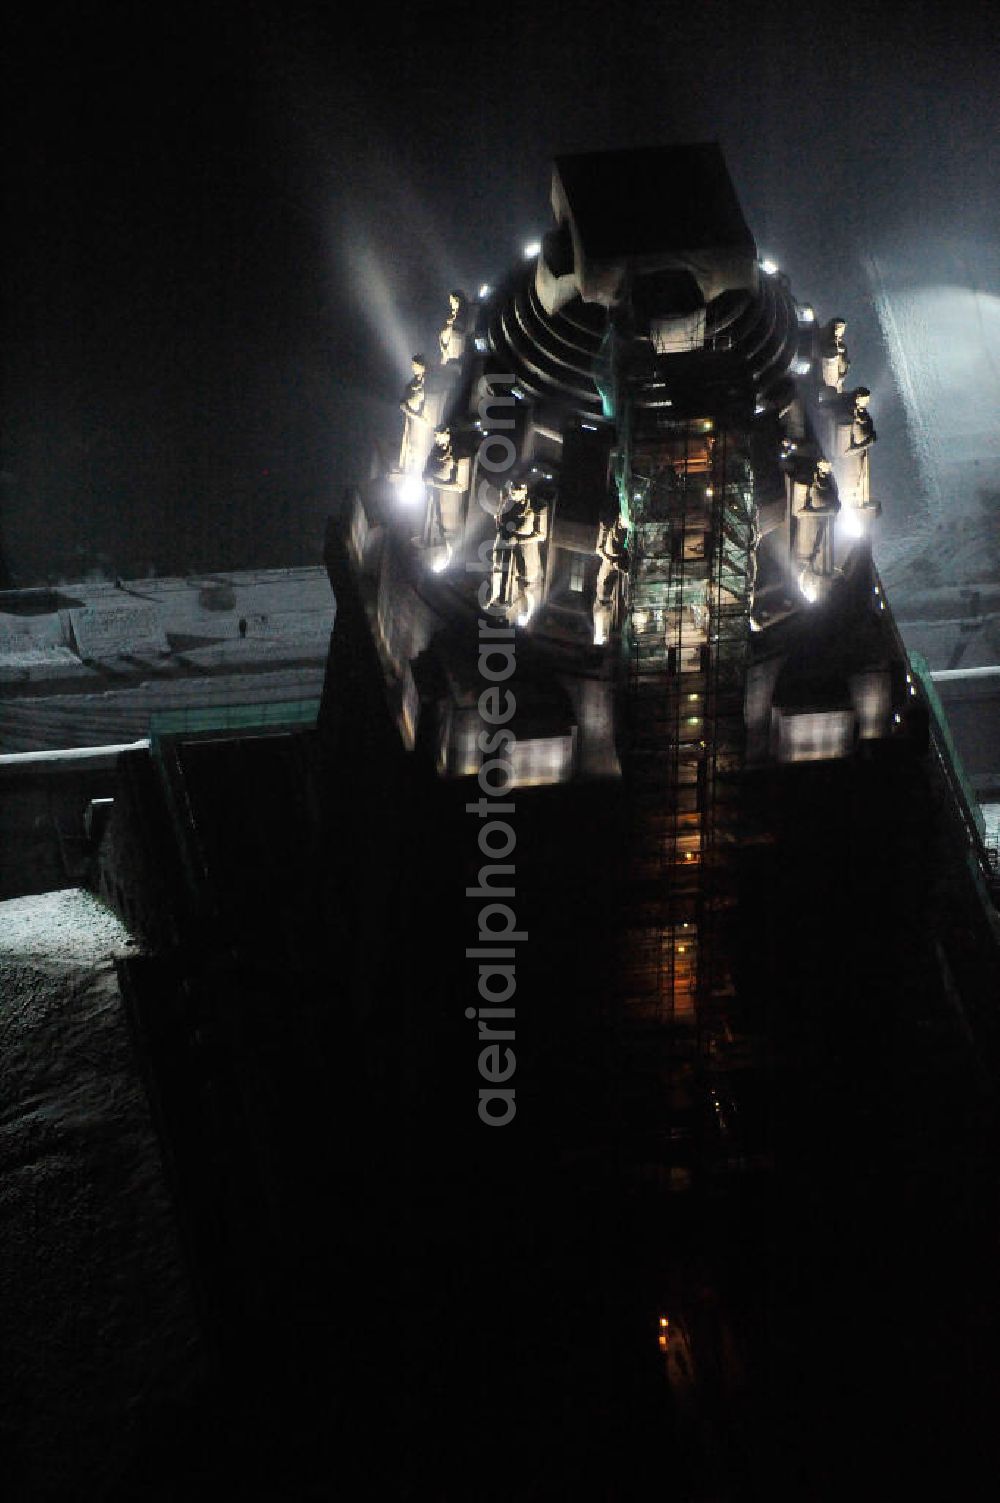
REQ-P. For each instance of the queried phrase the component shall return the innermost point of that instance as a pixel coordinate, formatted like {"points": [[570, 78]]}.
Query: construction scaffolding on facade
{"points": [[686, 640]]}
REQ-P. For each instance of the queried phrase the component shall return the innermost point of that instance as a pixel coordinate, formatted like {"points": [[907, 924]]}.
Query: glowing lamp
{"points": [[411, 490]]}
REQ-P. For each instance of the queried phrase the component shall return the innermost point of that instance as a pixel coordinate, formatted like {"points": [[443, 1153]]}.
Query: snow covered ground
{"points": [[257, 637], [69, 927], [267, 614], [938, 306], [936, 295], [96, 1318]]}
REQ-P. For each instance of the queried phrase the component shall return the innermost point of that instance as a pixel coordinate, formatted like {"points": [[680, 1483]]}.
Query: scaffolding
{"points": [[693, 530]]}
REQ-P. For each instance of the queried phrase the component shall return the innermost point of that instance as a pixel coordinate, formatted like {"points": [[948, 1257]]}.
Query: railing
{"points": [[944, 745], [948, 751]]}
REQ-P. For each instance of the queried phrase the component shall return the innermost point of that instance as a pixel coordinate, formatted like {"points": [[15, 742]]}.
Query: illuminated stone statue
{"points": [[442, 466], [863, 433], [451, 340], [813, 509], [833, 355], [612, 550], [822, 498], [854, 465], [517, 553], [413, 449], [446, 486]]}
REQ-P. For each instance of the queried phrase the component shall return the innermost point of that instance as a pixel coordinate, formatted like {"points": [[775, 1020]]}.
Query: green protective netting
{"points": [[234, 717], [923, 673]]}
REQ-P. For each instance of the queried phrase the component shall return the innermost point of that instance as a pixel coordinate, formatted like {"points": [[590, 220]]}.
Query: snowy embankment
{"points": [[98, 1329], [939, 311]]}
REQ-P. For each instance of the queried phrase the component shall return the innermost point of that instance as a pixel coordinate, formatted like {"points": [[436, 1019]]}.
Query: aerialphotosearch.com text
{"points": [[497, 932]]}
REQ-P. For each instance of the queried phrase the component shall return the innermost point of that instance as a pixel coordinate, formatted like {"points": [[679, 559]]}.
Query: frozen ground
{"points": [[270, 615], [938, 306], [94, 670], [96, 1320], [69, 927]]}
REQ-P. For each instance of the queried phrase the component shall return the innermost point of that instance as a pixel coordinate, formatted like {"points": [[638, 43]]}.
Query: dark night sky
{"points": [[225, 227]]}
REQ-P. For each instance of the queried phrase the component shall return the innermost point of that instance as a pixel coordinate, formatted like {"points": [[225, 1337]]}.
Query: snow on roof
{"points": [[248, 615], [35, 663]]}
